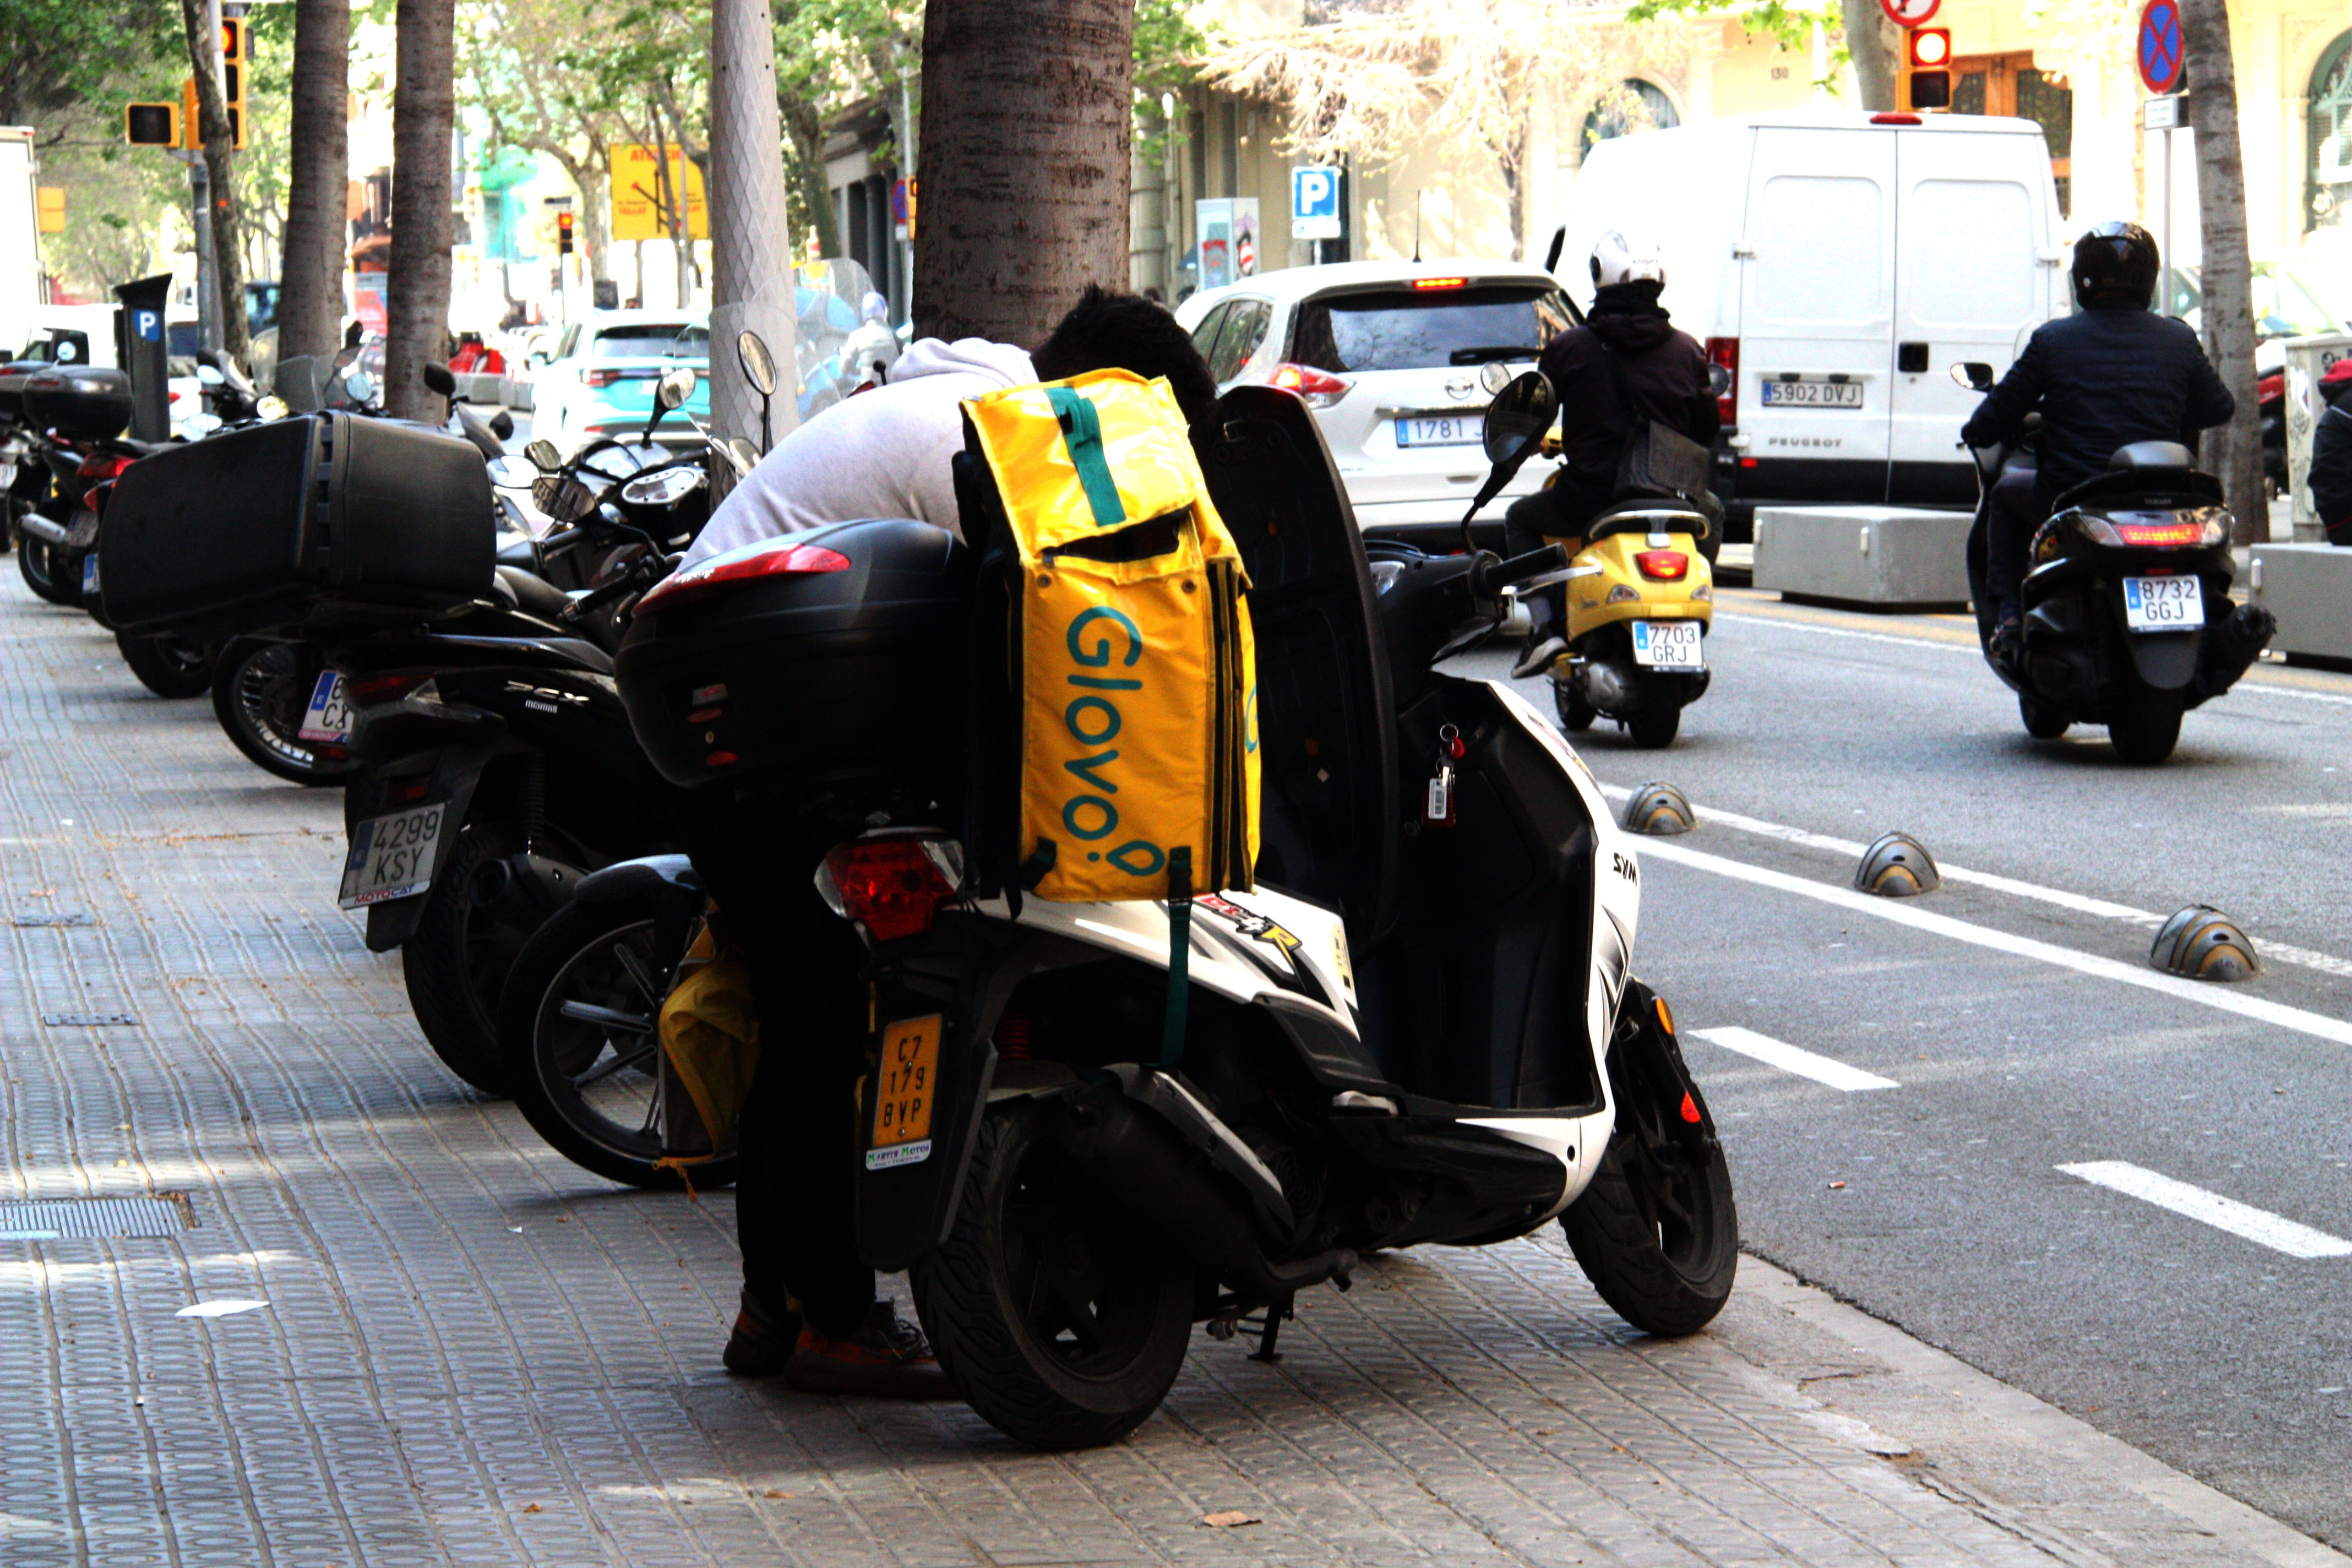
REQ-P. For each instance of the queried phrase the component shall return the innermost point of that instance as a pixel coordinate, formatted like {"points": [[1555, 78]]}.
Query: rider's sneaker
{"points": [[761, 1346], [1538, 655], [2009, 636], [887, 1358]]}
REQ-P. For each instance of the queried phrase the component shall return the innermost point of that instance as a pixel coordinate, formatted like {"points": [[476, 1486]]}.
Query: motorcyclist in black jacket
{"points": [[2110, 375]]}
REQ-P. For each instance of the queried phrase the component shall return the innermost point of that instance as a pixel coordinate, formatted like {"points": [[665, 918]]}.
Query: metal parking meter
{"points": [[145, 355]]}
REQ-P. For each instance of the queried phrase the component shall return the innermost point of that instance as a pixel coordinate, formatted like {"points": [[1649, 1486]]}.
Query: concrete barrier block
{"points": [[514, 394], [2309, 588], [1873, 557]]}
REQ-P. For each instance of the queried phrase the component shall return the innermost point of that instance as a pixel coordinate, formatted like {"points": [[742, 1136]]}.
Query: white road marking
{"points": [[2255, 1225], [1794, 1058], [1901, 912], [2285, 953], [2250, 681]]}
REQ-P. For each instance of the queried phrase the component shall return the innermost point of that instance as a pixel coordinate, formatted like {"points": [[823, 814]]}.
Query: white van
{"points": [[1838, 265]]}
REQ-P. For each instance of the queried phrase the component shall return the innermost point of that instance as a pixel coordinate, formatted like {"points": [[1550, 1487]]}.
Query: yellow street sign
{"points": [[52, 199], [637, 194]]}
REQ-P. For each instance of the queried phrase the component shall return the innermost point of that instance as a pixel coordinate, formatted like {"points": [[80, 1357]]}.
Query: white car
{"points": [[1390, 354], [601, 380]]}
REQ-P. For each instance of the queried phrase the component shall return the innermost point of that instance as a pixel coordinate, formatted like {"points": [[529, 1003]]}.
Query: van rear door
{"points": [[1973, 214], [1816, 314]]}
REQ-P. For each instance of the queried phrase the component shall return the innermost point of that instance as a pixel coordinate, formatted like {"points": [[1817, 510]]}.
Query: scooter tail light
{"points": [[769, 558], [375, 690], [1724, 353], [1319, 388], [891, 887], [1663, 565]]}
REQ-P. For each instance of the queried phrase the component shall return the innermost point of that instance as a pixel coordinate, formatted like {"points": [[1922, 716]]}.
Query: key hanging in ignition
{"points": [[1437, 808]]}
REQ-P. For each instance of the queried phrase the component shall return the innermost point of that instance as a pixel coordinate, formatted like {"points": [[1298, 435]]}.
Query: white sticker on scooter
{"points": [[913, 1153]]}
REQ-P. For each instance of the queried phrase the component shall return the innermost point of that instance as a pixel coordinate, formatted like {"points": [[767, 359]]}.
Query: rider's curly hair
{"points": [[1108, 330]]}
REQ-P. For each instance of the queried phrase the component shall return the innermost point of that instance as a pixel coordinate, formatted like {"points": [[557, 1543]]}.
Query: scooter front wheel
{"points": [[1575, 716], [1061, 1324], [1657, 1231]]}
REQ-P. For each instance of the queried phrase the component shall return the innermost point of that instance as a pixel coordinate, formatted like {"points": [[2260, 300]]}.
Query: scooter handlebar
{"points": [[1494, 575]]}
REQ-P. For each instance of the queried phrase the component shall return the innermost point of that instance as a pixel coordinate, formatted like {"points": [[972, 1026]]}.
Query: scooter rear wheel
{"points": [[2145, 726], [1062, 1325], [260, 692], [1657, 1231], [33, 564], [1653, 729], [167, 666]]}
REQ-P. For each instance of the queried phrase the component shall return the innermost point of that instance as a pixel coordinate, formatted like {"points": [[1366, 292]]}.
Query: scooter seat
{"points": [[1646, 514], [2151, 457], [533, 595]]}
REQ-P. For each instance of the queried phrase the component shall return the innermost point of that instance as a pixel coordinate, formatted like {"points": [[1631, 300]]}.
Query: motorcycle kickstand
{"points": [[1271, 1329]]}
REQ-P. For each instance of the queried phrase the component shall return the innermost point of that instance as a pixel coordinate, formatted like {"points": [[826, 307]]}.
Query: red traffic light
{"points": [[563, 234], [232, 39], [1931, 47]]}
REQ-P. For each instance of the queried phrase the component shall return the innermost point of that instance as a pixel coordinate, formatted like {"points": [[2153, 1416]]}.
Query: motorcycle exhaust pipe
{"points": [[2239, 642], [1160, 1181]]}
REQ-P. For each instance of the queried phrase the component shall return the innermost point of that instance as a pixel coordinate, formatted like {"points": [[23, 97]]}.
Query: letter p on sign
{"points": [[1314, 204]]}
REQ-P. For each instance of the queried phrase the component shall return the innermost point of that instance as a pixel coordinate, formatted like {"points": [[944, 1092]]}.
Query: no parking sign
{"points": [[2159, 55]]}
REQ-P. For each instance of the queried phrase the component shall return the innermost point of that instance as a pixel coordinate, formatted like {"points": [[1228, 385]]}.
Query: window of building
{"points": [[2328, 173], [2010, 85], [1633, 105]]}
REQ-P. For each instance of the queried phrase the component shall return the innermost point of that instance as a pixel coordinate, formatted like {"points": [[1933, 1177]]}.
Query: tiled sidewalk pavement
{"points": [[475, 1353]]}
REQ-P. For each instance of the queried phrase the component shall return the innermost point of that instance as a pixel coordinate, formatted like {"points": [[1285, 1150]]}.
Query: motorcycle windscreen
{"points": [[1326, 748]]}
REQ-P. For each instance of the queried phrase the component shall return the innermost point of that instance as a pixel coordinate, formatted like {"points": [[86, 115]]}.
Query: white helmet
{"points": [[1626, 258]]}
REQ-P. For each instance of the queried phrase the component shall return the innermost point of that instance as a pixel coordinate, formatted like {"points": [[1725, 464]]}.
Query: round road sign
{"points": [[2159, 52], [1910, 13]]}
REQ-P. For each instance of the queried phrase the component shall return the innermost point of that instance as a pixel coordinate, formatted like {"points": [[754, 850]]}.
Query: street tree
{"points": [[423, 108], [529, 74], [220, 166], [65, 64], [1027, 117], [1374, 81], [310, 275], [2225, 278], [1858, 32]]}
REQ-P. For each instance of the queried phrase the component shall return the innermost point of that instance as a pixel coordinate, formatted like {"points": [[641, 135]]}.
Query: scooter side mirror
{"points": [[674, 388], [543, 456], [759, 364], [1559, 239], [502, 425], [1974, 374], [437, 378], [1515, 423]]}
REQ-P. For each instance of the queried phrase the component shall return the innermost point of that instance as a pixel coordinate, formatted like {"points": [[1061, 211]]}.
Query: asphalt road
{"points": [[2015, 1030]]}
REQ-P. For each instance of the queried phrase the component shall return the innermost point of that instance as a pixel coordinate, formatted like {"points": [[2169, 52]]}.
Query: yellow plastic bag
{"points": [[1136, 668], [709, 1031]]}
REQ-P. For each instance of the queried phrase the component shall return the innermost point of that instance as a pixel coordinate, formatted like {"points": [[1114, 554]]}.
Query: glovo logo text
{"points": [[1101, 638]]}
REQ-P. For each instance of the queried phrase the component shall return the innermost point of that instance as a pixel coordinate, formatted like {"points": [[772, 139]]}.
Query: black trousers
{"points": [[1560, 513], [2010, 524], [797, 1141]]}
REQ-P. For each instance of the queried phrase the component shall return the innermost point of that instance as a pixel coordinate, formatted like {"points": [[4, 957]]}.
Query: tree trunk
{"points": [[220, 164], [1026, 119], [422, 109], [1875, 44], [751, 252], [310, 278], [2235, 450], [805, 123]]}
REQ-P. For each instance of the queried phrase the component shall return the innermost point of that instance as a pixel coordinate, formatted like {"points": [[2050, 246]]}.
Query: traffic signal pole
{"points": [[200, 201]]}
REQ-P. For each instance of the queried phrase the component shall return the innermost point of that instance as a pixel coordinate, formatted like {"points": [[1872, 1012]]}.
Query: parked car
{"points": [[1838, 265], [1389, 354], [602, 378]]}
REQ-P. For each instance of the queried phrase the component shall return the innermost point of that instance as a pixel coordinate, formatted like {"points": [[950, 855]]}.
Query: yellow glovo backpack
{"points": [[1132, 672]]}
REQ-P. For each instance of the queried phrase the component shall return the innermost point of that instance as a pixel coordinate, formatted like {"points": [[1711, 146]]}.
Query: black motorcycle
{"points": [[2128, 616]]}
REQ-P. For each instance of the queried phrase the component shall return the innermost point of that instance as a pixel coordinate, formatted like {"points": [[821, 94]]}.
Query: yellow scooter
{"points": [[1640, 596]]}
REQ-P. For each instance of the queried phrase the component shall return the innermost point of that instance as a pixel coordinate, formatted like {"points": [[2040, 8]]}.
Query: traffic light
{"points": [[563, 234], [233, 63], [1931, 75], [151, 124]]}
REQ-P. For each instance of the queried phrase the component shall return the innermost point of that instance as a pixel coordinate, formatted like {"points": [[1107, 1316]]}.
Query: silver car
{"points": [[1390, 354]]}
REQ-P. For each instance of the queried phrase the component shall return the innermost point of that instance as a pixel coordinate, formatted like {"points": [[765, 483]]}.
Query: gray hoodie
{"points": [[883, 453]]}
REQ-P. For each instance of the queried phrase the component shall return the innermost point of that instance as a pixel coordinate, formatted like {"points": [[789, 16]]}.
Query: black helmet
{"points": [[2116, 259]]}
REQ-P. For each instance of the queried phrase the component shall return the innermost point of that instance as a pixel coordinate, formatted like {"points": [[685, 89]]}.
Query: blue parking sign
{"points": [[1314, 204]]}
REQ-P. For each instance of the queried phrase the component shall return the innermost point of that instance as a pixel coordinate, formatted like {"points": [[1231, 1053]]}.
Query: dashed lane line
{"points": [[1899, 913], [1794, 1059], [2258, 1226], [2284, 952]]}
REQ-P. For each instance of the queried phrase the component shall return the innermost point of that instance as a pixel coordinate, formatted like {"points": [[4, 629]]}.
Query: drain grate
{"points": [[97, 1219], [75, 918], [87, 1020]]}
